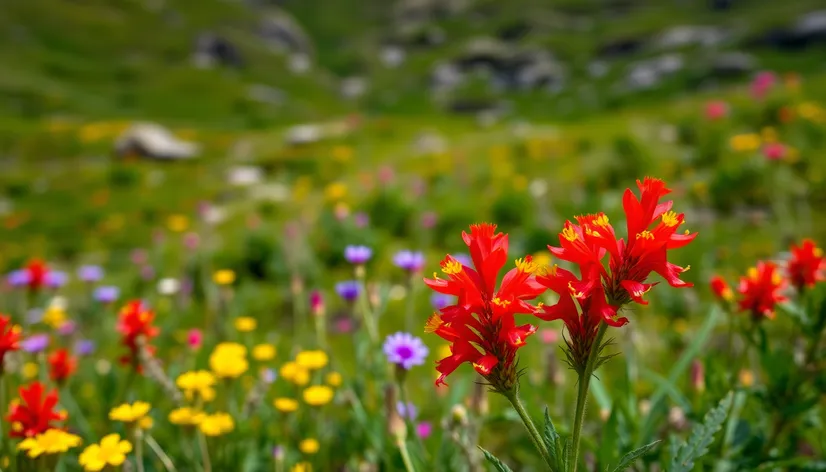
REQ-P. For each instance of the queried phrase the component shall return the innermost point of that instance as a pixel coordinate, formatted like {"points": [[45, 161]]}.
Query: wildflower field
{"points": [[633, 291]]}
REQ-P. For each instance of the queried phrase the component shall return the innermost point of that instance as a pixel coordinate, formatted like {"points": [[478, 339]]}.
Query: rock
{"points": [[392, 56], [536, 70], [685, 35], [353, 87], [266, 94], [153, 141], [733, 64], [245, 176], [429, 142], [807, 30], [299, 63], [284, 34], [812, 26], [304, 134], [484, 52], [408, 12], [648, 73], [211, 49], [597, 69], [445, 76]]}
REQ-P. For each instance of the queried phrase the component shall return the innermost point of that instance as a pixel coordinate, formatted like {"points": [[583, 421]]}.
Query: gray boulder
{"points": [[153, 141]]}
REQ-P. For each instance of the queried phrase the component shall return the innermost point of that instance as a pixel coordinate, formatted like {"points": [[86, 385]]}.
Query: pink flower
{"points": [[716, 110], [774, 151], [194, 339], [762, 84], [424, 429], [549, 336]]}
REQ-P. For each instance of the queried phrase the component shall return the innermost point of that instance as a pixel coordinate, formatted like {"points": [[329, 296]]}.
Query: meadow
{"points": [[292, 307]]}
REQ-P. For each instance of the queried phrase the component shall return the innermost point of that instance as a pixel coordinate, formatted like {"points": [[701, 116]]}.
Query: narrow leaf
{"points": [[702, 435], [629, 459], [497, 464], [566, 455], [551, 437]]}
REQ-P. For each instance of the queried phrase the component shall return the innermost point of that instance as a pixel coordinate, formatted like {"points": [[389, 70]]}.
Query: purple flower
{"points": [[90, 273], [67, 328], [405, 350], [278, 453], [441, 300], [147, 272], [84, 347], [268, 376], [19, 278], [35, 343], [408, 411], [357, 255], [411, 261], [349, 290], [424, 429], [106, 294], [429, 219], [56, 279], [361, 219]]}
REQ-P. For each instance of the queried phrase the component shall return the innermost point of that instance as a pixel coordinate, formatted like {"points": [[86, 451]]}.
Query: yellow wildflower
{"points": [[110, 451], [318, 395], [30, 370], [286, 405], [216, 424], [309, 446], [245, 324], [745, 142], [185, 416], [177, 223], [289, 370], [230, 350], [223, 277], [312, 360], [52, 441], [197, 382], [263, 352], [335, 191], [302, 467], [129, 413], [54, 316], [227, 366], [333, 379]]}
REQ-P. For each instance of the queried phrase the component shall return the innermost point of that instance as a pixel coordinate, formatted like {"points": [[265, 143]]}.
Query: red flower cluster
{"points": [[761, 289], [481, 327], [61, 365], [806, 265], [721, 289], [37, 271], [135, 321], [35, 413], [599, 292], [9, 338]]}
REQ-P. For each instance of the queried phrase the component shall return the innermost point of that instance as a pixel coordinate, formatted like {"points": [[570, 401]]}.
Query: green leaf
{"points": [[497, 464], [629, 459], [702, 435], [551, 438], [566, 455], [677, 372], [608, 447]]}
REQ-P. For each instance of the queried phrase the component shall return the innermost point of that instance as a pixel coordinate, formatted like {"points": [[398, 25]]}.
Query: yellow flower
{"points": [[263, 352], [333, 379], [746, 378], [227, 366], [768, 134], [745, 142], [309, 446], [177, 223], [111, 451], [223, 277], [335, 191], [216, 424], [245, 324], [302, 467], [289, 370], [30, 370], [230, 350], [318, 395], [52, 441], [312, 360], [197, 382], [129, 413], [286, 405], [54, 316], [302, 377], [185, 416]]}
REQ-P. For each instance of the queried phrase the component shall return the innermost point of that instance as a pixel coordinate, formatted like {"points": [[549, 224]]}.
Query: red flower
{"points": [[35, 413], [716, 110], [9, 338], [481, 326], [806, 265], [760, 290], [135, 321], [61, 365], [599, 292], [37, 270], [721, 288]]}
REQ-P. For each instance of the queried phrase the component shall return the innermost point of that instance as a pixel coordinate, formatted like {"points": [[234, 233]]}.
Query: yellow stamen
{"points": [[451, 267], [433, 323], [527, 265], [752, 273], [818, 252], [776, 278], [569, 233], [499, 302], [601, 220], [670, 219], [645, 235], [574, 292]]}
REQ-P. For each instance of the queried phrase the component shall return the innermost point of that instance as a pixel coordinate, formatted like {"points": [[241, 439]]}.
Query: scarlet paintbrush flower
{"points": [[61, 365], [481, 327], [600, 291], [33, 413], [721, 289], [760, 290], [9, 338], [806, 265], [135, 321], [37, 270]]}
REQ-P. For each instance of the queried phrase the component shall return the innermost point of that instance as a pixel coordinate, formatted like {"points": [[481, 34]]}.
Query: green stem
{"points": [[513, 396], [158, 450], [408, 462], [139, 448], [204, 452], [582, 392], [364, 307]]}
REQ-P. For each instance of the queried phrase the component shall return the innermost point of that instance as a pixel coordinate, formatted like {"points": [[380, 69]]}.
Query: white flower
{"points": [[168, 286]]}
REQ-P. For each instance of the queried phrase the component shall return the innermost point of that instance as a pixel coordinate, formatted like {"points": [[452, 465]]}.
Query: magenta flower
{"points": [[774, 151], [405, 350], [716, 110]]}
